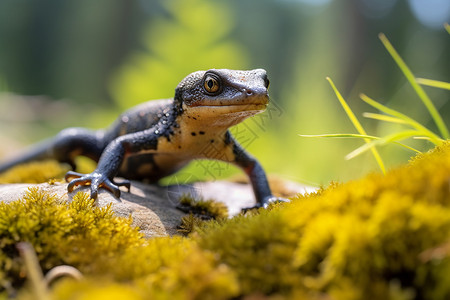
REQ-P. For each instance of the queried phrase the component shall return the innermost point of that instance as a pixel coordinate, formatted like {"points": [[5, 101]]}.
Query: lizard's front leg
{"points": [[257, 176], [110, 162]]}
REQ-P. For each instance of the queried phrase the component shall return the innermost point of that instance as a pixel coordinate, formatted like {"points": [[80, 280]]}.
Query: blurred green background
{"points": [[81, 63]]}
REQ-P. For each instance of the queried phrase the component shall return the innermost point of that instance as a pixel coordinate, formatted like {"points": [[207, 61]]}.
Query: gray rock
{"points": [[153, 207]]}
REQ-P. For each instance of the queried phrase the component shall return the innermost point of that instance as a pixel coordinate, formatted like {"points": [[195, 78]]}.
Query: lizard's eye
{"points": [[211, 84]]}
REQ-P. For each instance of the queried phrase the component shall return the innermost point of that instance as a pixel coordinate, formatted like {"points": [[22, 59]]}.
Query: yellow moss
{"points": [[35, 172], [61, 233], [362, 239], [165, 268], [189, 224], [98, 290], [379, 226], [258, 248], [101, 245]]}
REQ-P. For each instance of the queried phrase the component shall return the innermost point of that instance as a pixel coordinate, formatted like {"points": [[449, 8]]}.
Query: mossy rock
{"points": [[147, 206], [153, 208], [380, 237]]}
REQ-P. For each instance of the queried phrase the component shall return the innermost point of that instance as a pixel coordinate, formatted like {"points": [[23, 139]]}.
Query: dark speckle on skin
{"points": [[201, 132], [193, 134]]}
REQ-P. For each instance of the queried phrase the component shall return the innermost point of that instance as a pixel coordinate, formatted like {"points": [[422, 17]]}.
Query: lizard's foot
{"points": [[96, 181], [266, 202]]}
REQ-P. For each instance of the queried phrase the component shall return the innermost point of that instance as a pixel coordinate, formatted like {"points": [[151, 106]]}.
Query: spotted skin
{"points": [[157, 138]]}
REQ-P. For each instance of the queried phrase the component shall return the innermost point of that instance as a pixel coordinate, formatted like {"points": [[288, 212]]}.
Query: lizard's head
{"points": [[223, 96]]}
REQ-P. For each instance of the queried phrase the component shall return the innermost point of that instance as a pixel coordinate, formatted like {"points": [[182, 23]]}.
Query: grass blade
{"points": [[434, 83], [418, 89], [340, 135], [385, 118], [357, 125], [399, 136], [447, 27], [422, 138], [347, 108], [360, 136], [422, 130]]}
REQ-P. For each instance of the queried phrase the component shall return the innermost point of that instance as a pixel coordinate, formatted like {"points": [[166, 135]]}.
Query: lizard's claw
{"points": [[96, 181]]}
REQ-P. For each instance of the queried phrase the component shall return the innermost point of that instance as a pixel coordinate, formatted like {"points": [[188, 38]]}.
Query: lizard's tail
{"points": [[41, 151], [68, 144]]}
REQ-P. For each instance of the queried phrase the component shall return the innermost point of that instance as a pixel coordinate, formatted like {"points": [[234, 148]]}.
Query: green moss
{"points": [[35, 172], [380, 237]]}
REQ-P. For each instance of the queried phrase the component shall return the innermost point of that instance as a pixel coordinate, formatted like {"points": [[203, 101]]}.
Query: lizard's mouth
{"points": [[248, 109], [243, 101], [224, 115], [238, 107]]}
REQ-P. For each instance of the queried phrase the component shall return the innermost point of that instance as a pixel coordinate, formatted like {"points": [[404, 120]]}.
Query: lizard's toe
{"points": [[72, 175]]}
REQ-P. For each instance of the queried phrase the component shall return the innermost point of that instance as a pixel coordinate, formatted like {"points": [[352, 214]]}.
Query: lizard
{"points": [[159, 137]]}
